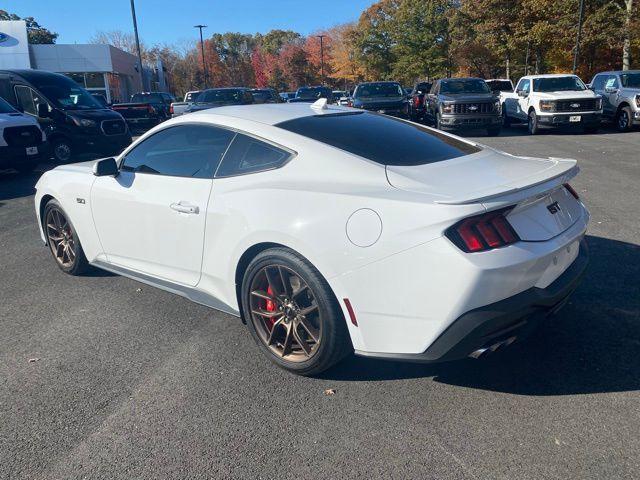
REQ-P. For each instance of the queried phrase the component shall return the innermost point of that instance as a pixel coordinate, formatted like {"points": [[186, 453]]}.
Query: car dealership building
{"points": [[99, 68]]}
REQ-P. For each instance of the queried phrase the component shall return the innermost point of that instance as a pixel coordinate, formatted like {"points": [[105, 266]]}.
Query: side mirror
{"points": [[522, 93], [43, 110], [611, 90], [105, 167]]}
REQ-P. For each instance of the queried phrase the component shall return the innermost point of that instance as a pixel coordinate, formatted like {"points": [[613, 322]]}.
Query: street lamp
{"points": [[204, 65], [321, 37], [135, 32]]}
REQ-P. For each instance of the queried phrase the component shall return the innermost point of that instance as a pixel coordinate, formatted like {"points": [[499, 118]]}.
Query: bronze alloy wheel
{"points": [[285, 313], [61, 239]]}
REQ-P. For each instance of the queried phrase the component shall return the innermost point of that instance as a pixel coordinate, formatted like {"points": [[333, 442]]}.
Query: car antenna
{"points": [[320, 104]]}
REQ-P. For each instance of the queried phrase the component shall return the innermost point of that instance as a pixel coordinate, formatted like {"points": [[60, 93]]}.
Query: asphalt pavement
{"points": [[103, 377]]}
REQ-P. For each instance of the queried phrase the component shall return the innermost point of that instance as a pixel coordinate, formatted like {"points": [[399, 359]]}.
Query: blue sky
{"points": [[169, 21]]}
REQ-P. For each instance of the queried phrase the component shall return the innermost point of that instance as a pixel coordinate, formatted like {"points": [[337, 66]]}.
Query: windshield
{"points": [[217, 96], [5, 107], [474, 85], [558, 84], [630, 80], [191, 96], [66, 94], [308, 93], [379, 90], [500, 86]]}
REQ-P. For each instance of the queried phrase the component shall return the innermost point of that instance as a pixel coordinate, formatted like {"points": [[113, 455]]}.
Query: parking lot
{"points": [[103, 377]]}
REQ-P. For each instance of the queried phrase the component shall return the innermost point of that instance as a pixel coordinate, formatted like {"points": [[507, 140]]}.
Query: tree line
{"points": [[410, 40]]}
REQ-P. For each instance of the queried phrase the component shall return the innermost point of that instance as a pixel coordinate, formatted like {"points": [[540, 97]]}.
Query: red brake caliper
{"points": [[271, 306]]}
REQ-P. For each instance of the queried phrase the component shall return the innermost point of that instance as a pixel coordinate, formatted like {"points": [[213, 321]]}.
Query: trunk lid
{"points": [[543, 208]]}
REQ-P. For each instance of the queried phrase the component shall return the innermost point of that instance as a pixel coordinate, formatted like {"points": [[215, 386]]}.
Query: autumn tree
{"points": [[36, 33]]}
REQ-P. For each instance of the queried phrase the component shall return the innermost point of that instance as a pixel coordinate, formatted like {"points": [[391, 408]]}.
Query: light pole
{"points": [[204, 65], [576, 52], [135, 32], [321, 37]]}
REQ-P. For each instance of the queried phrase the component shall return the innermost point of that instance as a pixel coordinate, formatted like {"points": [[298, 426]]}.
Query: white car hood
{"points": [[573, 94], [479, 177]]}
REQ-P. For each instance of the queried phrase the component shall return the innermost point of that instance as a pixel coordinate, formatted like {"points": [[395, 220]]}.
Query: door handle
{"points": [[184, 207]]}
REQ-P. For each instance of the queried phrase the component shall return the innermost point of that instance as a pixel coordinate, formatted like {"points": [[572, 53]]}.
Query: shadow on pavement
{"points": [[591, 346]]}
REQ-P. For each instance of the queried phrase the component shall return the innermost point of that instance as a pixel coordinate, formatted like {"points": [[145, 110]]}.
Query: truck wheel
{"points": [[623, 119], [62, 150], [532, 123], [506, 121]]}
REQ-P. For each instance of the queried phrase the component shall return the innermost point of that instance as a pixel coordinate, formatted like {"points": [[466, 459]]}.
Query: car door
{"points": [[431, 101], [150, 218], [610, 95], [523, 99]]}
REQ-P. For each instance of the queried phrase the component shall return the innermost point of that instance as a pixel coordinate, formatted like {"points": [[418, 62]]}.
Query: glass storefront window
{"points": [[95, 80], [76, 77]]}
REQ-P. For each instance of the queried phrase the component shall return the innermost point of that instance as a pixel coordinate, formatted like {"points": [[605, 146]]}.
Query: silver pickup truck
{"points": [[620, 91], [178, 108]]}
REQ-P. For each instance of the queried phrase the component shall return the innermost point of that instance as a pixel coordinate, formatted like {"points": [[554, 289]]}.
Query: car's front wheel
{"points": [[623, 119], [63, 239], [532, 124], [62, 151], [292, 313]]}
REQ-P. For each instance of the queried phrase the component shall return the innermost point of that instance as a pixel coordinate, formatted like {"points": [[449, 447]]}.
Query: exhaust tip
{"points": [[480, 352]]}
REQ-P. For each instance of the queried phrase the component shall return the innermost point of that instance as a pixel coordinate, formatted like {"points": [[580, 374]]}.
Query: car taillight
{"points": [[349, 103], [483, 232], [572, 191], [417, 101], [171, 109], [150, 109]]}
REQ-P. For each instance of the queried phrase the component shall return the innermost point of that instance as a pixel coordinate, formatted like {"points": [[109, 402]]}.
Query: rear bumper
{"points": [[515, 317], [589, 119], [470, 121], [14, 156]]}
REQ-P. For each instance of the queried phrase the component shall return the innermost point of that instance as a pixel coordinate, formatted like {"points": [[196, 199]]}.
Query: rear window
{"points": [[380, 138], [500, 86], [146, 97], [378, 90]]}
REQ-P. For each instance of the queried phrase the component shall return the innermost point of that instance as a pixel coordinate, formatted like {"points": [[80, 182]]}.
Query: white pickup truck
{"points": [[178, 108], [552, 100], [22, 142]]}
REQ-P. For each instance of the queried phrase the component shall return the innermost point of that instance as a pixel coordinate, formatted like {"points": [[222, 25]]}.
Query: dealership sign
{"points": [[3, 37]]}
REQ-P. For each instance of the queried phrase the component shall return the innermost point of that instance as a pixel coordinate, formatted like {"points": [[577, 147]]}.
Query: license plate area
{"points": [[32, 150], [575, 118]]}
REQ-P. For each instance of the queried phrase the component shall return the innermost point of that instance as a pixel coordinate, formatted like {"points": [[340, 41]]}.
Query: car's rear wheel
{"points": [[292, 313], [532, 124], [623, 119], [63, 240]]}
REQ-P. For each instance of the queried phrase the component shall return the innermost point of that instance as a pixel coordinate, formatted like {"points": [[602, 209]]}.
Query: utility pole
{"points": [[576, 52], [135, 32], [321, 37], [204, 65]]}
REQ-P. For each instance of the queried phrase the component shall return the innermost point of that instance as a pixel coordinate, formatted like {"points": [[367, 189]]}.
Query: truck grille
{"points": [[580, 105], [24, 136], [472, 108], [114, 127]]}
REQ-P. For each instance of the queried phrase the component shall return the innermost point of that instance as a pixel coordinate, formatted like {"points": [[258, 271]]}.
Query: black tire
{"points": [[493, 131], [62, 151], [623, 119], [334, 342], [76, 265], [532, 123], [506, 121]]}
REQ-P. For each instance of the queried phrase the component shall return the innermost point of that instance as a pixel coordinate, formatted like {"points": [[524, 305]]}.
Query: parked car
{"points": [[22, 142], [498, 85], [219, 97], [620, 92], [265, 95], [146, 109], [551, 101], [463, 103], [338, 95], [329, 230], [311, 94], [178, 108], [73, 120], [345, 100], [417, 100], [381, 97], [286, 96]]}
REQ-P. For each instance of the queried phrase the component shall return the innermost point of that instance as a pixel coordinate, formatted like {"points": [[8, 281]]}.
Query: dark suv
{"points": [[381, 97], [464, 103]]}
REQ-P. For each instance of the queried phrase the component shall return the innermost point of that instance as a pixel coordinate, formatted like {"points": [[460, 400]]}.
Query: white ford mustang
{"points": [[329, 230]]}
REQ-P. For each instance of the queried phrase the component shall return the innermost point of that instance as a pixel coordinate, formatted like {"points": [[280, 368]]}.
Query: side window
{"points": [[435, 87], [612, 82], [248, 98], [182, 151], [25, 100], [524, 85], [247, 155]]}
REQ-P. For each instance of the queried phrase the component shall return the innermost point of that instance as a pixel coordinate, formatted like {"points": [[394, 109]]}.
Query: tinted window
{"points": [[558, 84], [146, 98], [630, 80], [25, 100], [500, 86], [380, 138], [474, 85], [247, 154], [612, 82], [524, 85], [309, 93], [5, 107], [422, 87], [182, 151], [227, 96], [64, 93], [598, 82], [379, 90]]}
